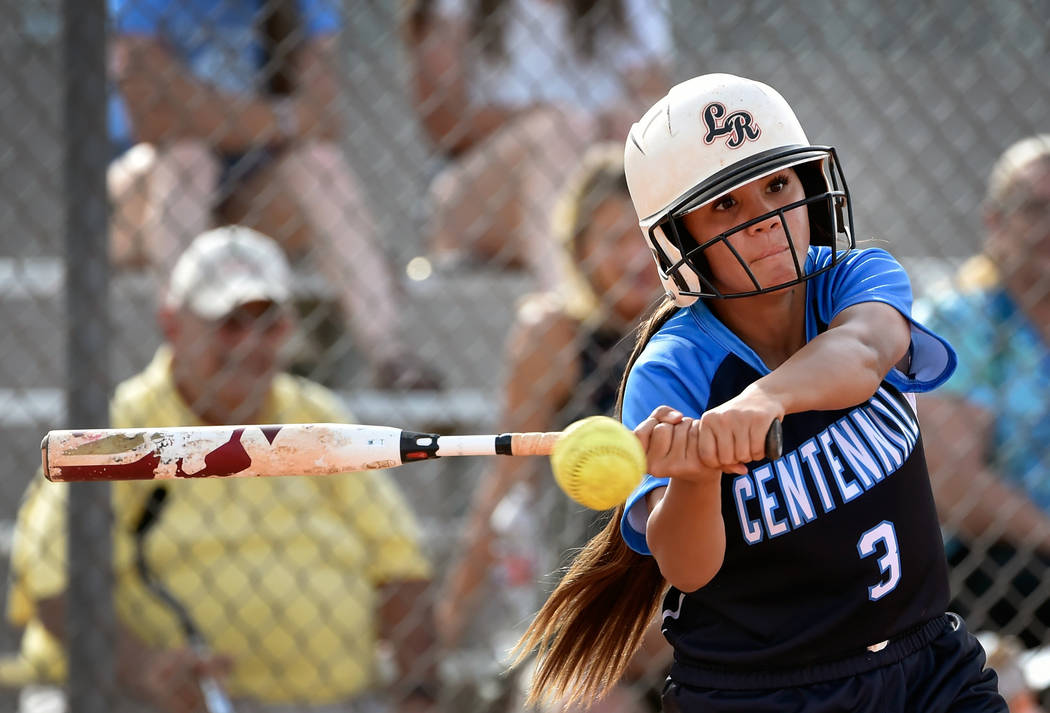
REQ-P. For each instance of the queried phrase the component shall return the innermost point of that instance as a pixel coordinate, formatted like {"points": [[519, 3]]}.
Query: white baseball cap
{"points": [[225, 268]]}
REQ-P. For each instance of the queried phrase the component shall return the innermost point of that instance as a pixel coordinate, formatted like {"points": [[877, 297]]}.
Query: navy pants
{"points": [[947, 675]]}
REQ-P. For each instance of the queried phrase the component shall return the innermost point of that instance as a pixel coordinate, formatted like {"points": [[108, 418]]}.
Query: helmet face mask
{"points": [[830, 219], [708, 137]]}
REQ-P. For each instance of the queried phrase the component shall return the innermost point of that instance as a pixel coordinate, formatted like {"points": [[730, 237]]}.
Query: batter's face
{"points": [[765, 247], [228, 363], [616, 262]]}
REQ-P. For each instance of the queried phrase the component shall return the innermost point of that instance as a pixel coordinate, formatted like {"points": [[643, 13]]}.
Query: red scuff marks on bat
{"points": [[227, 459], [270, 432], [142, 469]]}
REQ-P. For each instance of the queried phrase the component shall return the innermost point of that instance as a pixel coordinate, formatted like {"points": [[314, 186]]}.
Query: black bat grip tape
{"points": [[775, 440]]}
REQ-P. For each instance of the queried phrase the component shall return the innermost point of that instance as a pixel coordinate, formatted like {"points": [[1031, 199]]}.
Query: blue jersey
{"points": [[216, 40], [833, 547]]}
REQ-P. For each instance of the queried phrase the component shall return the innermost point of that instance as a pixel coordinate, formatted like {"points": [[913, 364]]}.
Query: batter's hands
{"points": [[671, 442], [735, 432], [723, 440]]}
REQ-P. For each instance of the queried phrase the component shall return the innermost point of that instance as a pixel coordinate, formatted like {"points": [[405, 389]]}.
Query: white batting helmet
{"points": [[708, 136]]}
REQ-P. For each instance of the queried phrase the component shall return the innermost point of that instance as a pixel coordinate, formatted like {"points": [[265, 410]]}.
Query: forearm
{"points": [[837, 369], [686, 533]]}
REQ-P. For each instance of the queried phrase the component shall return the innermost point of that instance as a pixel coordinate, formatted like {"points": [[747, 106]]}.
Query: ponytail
{"points": [[593, 622]]}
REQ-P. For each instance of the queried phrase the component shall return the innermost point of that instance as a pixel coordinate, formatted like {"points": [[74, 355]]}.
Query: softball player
{"points": [[816, 582]]}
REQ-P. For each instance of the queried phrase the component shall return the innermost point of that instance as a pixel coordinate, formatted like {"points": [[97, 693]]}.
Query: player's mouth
{"points": [[771, 252]]}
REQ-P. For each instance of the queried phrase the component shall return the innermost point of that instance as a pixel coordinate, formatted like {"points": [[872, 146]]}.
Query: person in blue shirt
{"points": [[988, 431], [815, 581], [229, 112]]}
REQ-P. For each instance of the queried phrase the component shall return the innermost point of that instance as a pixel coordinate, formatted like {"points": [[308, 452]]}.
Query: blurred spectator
{"points": [[564, 358], [230, 110], [291, 580], [511, 93], [1005, 655], [988, 433]]}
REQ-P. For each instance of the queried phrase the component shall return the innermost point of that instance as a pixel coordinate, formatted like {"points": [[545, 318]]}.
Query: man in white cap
{"points": [[226, 320], [292, 581]]}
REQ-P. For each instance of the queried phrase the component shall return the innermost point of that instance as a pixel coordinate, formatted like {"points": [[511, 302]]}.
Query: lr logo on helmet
{"points": [[739, 126]]}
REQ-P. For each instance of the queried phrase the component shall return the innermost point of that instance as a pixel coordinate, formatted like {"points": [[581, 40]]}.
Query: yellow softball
{"points": [[598, 462]]}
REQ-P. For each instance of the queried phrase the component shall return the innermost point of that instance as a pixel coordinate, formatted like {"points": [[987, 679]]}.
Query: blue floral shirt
{"points": [[1004, 367]]}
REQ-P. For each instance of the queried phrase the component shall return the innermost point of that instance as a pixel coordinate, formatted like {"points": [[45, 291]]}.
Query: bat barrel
{"points": [[218, 451]]}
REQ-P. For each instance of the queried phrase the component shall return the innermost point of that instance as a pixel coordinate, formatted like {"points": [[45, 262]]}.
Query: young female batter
{"points": [[816, 582]]}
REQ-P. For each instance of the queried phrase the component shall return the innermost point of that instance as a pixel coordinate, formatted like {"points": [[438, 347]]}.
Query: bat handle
{"points": [[533, 444], [775, 440]]}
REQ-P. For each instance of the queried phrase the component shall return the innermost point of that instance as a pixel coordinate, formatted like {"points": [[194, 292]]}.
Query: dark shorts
{"points": [[946, 675]]}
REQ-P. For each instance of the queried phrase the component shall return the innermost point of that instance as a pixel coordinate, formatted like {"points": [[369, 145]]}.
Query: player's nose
{"points": [[765, 225]]}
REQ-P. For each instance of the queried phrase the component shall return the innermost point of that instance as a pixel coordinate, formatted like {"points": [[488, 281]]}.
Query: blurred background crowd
{"points": [[414, 214]]}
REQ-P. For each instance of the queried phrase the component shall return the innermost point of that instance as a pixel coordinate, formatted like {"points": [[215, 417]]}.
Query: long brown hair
{"points": [[593, 622]]}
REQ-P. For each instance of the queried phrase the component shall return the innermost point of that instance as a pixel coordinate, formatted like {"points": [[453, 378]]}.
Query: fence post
{"points": [[89, 625]]}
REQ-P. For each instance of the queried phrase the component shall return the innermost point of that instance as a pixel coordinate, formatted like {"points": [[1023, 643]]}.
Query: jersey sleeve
{"points": [[873, 275], [654, 381]]}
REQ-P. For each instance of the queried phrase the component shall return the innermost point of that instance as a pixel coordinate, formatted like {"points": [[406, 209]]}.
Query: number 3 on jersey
{"points": [[889, 562]]}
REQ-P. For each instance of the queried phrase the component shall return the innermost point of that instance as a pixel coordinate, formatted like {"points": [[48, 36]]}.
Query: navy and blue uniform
{"points": [[834, 564]]}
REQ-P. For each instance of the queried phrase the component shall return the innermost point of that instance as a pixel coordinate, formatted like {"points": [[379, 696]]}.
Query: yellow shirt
{"points": [[280, 574]]}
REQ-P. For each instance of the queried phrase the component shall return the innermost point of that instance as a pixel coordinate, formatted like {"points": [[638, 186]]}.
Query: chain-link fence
{"points": [[433, 173]]}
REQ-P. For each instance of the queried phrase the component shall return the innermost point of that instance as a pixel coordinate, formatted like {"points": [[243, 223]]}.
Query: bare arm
{"points": [[839, 368], [535, 389], [972, 499], [685, 531], [843, 366]]}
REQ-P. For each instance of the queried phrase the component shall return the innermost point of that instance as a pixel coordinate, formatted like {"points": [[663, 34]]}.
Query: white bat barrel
{"points": [[218, 451]]}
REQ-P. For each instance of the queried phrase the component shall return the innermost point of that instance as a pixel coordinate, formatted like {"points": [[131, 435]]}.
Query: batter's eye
{"points": [[724, 203], [778, 184]]}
